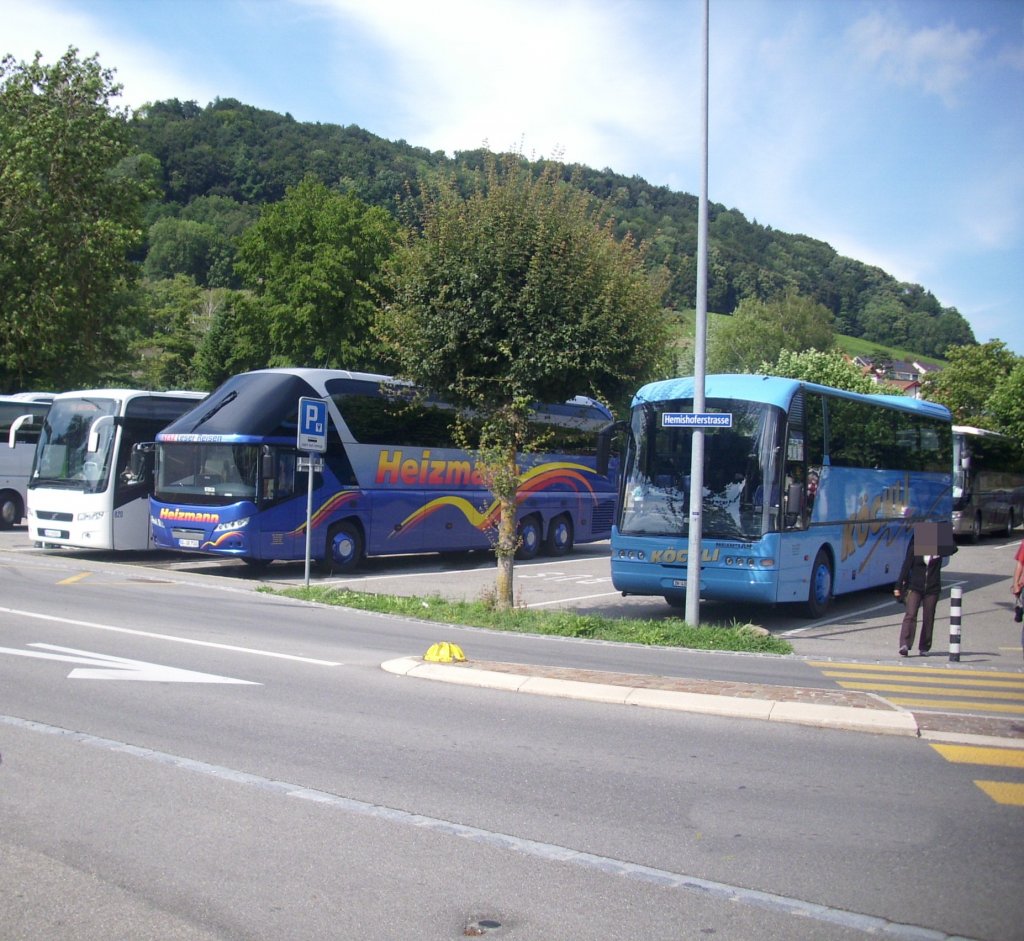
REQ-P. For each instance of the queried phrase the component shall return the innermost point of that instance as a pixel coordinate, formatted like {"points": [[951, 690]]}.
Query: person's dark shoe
{"points": [[922, 653], [903, 651]]}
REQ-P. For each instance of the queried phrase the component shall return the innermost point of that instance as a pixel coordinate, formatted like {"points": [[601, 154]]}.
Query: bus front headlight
{"points": [[233, 524]]}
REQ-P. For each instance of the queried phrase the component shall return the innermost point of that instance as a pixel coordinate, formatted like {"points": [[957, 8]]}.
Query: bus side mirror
{"points": [[794, 498], [267, 469], [140, 467], [12, 437], [965, 462], [93, 444], [604, 445]]}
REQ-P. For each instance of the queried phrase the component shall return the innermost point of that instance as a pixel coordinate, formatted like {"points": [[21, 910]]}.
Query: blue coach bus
{"points": [[810, 492], [394, 480]]}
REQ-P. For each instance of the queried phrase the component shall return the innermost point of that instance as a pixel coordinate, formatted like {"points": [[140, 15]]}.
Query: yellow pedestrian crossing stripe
{"points": [[936, 688], [948, 689], [1002, 792], [979, 755]]}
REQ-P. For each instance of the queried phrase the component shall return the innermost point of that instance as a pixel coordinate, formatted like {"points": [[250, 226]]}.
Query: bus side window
{"points": [[282, 483]]}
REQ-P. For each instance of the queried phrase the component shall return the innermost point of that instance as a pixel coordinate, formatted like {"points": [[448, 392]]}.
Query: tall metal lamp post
{"points": [[696, 496]]}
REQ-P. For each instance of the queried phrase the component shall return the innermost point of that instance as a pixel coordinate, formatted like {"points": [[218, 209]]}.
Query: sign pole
{"points": [[309, 512], [311, 439]]}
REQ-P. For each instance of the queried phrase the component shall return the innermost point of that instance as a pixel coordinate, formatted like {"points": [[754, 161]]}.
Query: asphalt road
{"points": [[287, 787], [863, 625]]}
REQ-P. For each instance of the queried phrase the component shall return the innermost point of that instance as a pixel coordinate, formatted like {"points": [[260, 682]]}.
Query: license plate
{"points": [[188, 543], [52, 533]]}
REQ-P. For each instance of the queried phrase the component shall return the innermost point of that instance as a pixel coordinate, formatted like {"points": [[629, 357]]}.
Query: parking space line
{"points": [[542, 604]]}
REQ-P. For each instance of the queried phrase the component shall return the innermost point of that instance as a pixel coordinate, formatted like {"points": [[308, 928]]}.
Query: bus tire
{"points": [[819, 592], [529, 537], [344, 550], [257, 565], [560, 536], [1010, 524], [676, 600], [10, 509], [975, 534]]}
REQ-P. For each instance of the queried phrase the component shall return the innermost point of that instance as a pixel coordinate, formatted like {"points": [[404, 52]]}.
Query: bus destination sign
{"points": [[696, 419]]}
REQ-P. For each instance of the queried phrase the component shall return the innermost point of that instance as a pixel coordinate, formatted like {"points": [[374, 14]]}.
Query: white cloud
{"points": [[937, 59], [568, 78], [146, 72]]}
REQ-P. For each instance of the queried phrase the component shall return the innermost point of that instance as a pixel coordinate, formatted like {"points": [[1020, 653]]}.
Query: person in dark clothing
{"points": [[918, 587]]}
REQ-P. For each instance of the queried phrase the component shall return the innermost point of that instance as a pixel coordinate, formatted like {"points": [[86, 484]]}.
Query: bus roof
{"points": [[773, 390], [122, 394], [37, 397], [977, 432]]}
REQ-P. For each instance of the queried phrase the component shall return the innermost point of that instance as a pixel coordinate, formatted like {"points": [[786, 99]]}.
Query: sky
{"points": [[891, 129]]}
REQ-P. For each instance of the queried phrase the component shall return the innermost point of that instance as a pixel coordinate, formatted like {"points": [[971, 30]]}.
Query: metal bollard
{"points": [[955, 602]]}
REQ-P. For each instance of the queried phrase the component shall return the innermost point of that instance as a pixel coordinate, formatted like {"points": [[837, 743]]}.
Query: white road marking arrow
{"points": [[119, 668]]}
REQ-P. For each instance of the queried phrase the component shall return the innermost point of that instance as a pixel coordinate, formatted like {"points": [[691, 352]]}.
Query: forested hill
{"points": [[219, 163]]}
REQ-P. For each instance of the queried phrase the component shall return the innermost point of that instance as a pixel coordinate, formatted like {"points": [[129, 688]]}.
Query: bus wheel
{"points": [[819, 595], [560, 536], [975, 535], [1008, 532], [344, 548], [257, 565], [10, 509], [676, 600], [529, 538]]}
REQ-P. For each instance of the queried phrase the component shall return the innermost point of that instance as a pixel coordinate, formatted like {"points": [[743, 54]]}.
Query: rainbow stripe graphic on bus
{"points": [[537, 479], [326, 509]]}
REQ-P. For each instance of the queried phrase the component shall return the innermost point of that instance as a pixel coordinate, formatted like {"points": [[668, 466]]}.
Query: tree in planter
{"points": [[513, 295]]}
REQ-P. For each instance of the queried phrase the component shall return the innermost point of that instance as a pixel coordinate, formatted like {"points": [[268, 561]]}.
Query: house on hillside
{"points": [[903, 375]]}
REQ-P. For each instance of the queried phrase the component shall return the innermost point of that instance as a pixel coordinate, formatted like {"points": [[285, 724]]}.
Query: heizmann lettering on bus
{"points": [[808, 492]]}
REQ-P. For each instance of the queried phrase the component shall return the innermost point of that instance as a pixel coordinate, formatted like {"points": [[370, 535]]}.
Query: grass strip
{"points": [[670, 632]]}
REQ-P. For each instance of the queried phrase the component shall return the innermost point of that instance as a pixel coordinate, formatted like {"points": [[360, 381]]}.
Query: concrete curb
{"points": [[882, 721]]}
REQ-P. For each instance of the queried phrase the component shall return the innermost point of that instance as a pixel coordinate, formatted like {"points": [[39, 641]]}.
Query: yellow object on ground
{"points": [[444, 652]]}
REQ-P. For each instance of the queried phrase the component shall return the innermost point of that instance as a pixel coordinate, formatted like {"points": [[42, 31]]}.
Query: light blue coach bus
{"points": [[809, 492]]}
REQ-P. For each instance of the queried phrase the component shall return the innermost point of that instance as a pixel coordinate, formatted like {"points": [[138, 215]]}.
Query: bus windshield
{"points": [[63, 458], [739, 463], [207, 473]]}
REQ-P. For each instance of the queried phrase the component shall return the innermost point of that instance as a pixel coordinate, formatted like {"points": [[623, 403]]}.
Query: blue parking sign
{"points": [[312, 435]]}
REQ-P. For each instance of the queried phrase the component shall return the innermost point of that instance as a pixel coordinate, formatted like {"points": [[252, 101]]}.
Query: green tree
{"points": [[971, 375], [179, 247], [513, 295], [236, 341], [71, 201], [759, 331], [827, 368], [1007, 402], [312, 261], [177, 316]]}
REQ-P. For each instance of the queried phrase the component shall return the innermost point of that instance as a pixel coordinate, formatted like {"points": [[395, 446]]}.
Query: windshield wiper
{"points": [[230, 397]]}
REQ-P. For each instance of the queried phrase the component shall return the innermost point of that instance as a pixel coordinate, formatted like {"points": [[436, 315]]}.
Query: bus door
{"points": [[796, 498]]}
